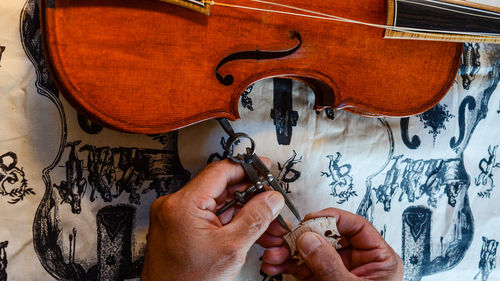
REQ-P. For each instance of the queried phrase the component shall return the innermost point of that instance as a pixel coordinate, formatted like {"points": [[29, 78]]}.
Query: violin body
{"points": [[150, 67]]}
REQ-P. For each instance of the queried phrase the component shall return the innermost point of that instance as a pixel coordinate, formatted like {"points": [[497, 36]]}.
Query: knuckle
{"points": [[199, 200], [156, 206], [363, 220], [168, 203], [393, 264], [391, 261], [155, 210], [395, 261], [160, 207], [386, 256], [218, 166], [213, 165], [204, 202]]}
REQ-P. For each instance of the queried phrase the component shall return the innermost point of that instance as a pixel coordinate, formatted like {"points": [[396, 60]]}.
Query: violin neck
{"points": [[445, 20]]}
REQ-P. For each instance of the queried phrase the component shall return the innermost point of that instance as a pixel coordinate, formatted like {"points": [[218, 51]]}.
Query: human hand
{"points": [[364, 255], [187, 241]]}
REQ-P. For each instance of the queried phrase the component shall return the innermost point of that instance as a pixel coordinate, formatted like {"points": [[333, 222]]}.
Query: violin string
{"points": [[323, 16], [495, 17]]}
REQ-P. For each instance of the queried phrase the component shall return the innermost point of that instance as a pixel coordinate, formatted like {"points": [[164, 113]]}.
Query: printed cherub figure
{"points": [[339, 174], [486, 167], [12, 180]]}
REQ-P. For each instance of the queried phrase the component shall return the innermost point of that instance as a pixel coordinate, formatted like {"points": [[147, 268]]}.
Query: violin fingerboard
{"points": [[455, 18]]}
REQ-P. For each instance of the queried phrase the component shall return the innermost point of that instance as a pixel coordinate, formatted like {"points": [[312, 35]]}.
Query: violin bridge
{"points": [[195, 5]]}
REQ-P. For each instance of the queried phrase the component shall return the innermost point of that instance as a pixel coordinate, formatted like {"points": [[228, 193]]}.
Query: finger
{"points": [[346, 255], [227, 216], [213, 180], [254, 218], [228, 194], [379, 271], [241, 186], [267, 241], [301, 272], [272, 269], [276, 229], [323, 260], [289, 267], [360, 257], [276, 255], [222, 199], [273, 237], [384, 262], [266, 161], [356, 229]]}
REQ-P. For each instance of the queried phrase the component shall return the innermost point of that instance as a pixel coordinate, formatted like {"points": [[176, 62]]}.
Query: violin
{"points": [[148, 66]]}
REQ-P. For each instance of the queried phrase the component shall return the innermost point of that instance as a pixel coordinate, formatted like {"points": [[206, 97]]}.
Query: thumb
{"points": [[254, 218], [322, 259]]}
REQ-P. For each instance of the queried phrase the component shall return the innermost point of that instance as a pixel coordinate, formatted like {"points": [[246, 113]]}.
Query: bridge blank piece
{"points": [[326, 227]]}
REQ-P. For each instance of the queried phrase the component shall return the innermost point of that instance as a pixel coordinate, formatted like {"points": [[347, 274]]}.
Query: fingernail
{"points": [[275, 202], [308, 242]]}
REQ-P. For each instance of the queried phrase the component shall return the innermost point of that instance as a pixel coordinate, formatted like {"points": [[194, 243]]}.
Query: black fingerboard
{"points": [[440, 16]]}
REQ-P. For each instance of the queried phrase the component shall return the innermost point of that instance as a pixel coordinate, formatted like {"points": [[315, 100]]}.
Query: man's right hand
{"points": [[364, 255]]}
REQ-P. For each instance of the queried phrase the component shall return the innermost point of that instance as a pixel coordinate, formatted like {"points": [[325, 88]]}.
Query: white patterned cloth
{"points": [[74, 198]]}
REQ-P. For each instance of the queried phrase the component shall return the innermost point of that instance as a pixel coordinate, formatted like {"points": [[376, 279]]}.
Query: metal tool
{"points": [[257, 172]]}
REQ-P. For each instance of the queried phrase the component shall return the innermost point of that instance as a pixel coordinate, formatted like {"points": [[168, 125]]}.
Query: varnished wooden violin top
{"points": [[149, 67]]}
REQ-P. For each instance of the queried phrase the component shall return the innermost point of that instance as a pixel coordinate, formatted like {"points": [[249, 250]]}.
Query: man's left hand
{"points": [[187, 241]]}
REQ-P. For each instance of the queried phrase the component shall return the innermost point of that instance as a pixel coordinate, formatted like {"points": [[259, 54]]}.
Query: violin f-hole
{"points": [[470, 103], [414, 143], [228, 79]]}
